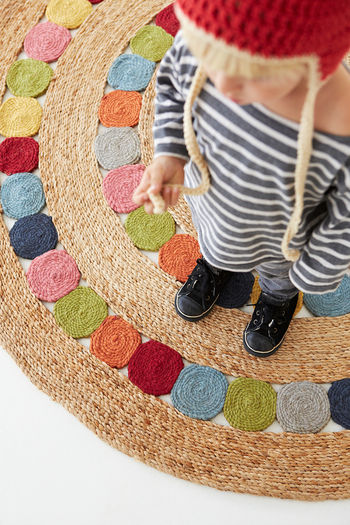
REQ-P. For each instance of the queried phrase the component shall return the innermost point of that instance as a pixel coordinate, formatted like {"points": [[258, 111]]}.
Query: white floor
{"points": [[54, 471]]}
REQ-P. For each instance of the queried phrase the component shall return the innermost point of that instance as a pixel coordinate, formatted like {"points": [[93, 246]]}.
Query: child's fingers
{"points": [[174, 196], [142, 188], [166, 194], [139, 198], [148, 207], [156, 180]]}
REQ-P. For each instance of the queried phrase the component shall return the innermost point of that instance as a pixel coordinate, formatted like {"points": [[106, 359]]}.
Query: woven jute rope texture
{"points": [[280, 465]]}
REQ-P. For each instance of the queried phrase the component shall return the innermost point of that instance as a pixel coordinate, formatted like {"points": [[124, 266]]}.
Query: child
{"points": [[253, 115]]}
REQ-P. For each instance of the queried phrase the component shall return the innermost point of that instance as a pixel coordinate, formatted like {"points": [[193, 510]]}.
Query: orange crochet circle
{"points": [[178, 256], [120, 109], [254, 296], [114, 341]]}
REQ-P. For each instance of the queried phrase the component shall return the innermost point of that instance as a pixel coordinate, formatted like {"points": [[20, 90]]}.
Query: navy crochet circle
{"points": [[339, 399], [33, 235], [237, 290], [130, 72]]}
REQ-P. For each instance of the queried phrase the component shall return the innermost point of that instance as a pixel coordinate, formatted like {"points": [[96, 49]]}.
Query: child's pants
{"points": [[274, 279]]}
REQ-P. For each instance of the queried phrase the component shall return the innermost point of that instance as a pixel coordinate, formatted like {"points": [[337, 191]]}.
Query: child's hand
{"points": [[163, 170]]}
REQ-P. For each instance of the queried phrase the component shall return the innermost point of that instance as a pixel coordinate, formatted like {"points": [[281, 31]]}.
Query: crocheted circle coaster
{"points": [[250, 404], [119, 185], [130, 72], [117, 147], [20, 117], [256, 291], [303, 407], [154, 368], [33, 235], [18, 154], [115, 341], [179, 255], [68, 13], [80, 312], [29, 77], [149, 232], [339, 398], [120, 109], [199, 392], [53, 275], [151, 42], [168, 20], [330, 304], [237, 290], [22, 194], [47, 41]]}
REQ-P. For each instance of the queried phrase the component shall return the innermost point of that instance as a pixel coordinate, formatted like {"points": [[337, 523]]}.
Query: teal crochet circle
{"points": [[22, 194], [199, 392], [330, 304], [130, 72]]}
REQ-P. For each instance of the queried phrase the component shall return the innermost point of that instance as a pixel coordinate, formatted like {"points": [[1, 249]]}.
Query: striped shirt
{"points": [[251, 154]]}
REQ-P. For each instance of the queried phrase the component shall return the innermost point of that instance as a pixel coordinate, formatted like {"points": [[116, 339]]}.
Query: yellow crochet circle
{"points": [[68, 13], [20, 117], [254, 296]]}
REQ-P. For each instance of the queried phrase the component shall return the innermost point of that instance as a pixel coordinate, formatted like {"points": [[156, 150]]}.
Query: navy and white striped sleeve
{"points": [[326, 256], [169, 105]]}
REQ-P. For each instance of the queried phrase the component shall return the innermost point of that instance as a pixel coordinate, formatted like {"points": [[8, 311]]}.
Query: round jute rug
{"points": [[298, 466]]}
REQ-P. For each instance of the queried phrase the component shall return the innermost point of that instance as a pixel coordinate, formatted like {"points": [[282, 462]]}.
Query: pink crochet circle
{"points": [[53, 275], [47, 41], [119, 185]]}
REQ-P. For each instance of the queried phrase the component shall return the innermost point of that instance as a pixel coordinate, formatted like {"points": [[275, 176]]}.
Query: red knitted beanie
{"points": [[274, 29]]}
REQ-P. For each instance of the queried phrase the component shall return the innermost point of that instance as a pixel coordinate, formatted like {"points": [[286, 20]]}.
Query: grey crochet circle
{"points": [[302, 407], [117, 147]]}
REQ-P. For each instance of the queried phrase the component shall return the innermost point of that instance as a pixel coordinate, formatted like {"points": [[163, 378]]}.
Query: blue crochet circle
{"points": [[33, 235], [237, 290], [130, 72], [339, 399], [199, 391], [22, 194], [330, 304]]}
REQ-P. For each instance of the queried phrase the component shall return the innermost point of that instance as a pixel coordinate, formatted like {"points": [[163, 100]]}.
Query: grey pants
{"points": [[274, 279]]}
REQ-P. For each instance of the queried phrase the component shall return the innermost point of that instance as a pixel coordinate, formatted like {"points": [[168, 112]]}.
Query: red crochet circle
{"points": [[154, 368], [18, 154], [168, 20]]}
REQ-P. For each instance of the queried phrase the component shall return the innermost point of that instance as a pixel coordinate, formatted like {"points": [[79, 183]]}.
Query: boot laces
{"points": [[201, 283], [271, 315]]}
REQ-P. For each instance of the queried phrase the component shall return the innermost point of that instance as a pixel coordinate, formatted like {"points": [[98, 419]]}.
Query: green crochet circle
{"points": [[250, 404], [149, 232], [151, 42], [29, 77], [80, 312]]}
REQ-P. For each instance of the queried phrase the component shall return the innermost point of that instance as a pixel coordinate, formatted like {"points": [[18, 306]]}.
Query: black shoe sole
{"points": [[260, 353], [193, 318]]}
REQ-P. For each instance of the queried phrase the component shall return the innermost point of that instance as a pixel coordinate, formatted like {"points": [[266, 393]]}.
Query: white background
{"points": [[53, 470]]}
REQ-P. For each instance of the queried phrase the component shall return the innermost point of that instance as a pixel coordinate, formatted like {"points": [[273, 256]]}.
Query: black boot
{"points": [[200, 292], [265, 332]]}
